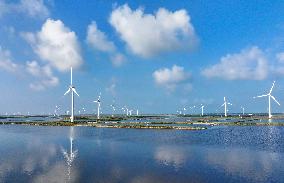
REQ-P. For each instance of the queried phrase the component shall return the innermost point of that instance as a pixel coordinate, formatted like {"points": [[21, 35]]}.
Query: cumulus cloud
{"points": [[148, 35], [118, 59], [57, 45], [170, 78], [99, 42], [278, 68], [32, 8], [6, 62], [249, 64], [112, 87], [44, 75], [280, 57]]}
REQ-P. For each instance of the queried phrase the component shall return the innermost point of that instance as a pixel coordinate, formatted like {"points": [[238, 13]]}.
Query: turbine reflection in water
{"points": [[71, 155]]}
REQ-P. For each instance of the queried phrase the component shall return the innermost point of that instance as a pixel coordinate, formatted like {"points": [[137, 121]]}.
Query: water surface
{"points": [[87, 154]]}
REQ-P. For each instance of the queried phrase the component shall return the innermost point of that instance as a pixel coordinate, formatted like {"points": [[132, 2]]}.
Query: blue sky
{"points": [[157, 57]]}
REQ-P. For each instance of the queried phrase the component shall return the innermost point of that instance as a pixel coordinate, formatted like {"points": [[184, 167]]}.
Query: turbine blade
{"points": [[222, 105], [275, 100], [67, 91], [75, 91], [272, 87], [261, 96], [99, 96]]}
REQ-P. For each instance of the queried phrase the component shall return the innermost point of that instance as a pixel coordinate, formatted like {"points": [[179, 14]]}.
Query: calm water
{"points": [[29, 118], [220, 154]]}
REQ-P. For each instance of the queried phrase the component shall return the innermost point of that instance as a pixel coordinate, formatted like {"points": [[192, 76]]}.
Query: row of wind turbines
{"points": [[72, 90], [226, 104]]}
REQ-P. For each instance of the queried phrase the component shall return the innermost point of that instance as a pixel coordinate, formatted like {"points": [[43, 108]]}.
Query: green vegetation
{"points": [[136, 122]]}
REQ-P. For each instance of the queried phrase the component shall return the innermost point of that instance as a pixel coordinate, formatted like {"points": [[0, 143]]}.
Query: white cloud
{"points": [[98, 40], [32, 8], [249, 64], [118, 59], [280, 57], [44, 75], [147, 35], [6, 62], [57, 45], [170, 78], [112, 88], [278, 68]]}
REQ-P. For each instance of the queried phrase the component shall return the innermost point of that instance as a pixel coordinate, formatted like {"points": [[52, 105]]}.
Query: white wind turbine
{"points": [[57, 108], [98, 101], [225, 104], [184, 109], [125, 109], [113, 109], [72, 90], [269, 99], [202, 109], [243, 109]]}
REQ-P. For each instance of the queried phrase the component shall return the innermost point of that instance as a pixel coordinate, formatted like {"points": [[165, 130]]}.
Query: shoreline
{"points": [[203, 125]]}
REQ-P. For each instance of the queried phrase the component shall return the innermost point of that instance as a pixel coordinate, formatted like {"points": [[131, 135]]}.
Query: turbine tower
{"points": [[125, 109], [184, 109], [202, 109], [243, 110], [98, 101], [72, 90], [269, 99], [225, 104], [113, 109]]}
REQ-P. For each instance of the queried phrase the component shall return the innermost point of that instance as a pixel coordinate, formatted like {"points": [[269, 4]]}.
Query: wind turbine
{"points": [[84, 110], [113, 109], [202, 109], [184, 109], [72, 90], [191, 109], [225, 106], [269, 99], [125, 109], [243, 110], [179, 112], [57, 108], [98, 101]]}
